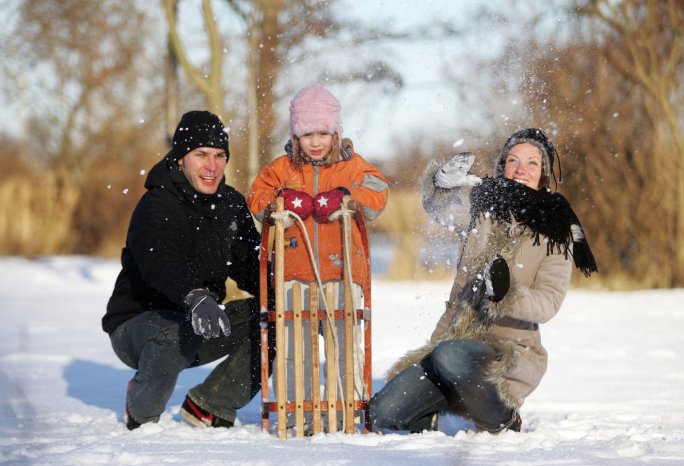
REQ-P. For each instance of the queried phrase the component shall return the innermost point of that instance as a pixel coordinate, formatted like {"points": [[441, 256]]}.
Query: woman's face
{"points": [[316, 145], [524, 165]]}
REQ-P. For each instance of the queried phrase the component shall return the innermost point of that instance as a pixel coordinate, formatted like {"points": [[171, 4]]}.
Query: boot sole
{"points": [[192, 419]]}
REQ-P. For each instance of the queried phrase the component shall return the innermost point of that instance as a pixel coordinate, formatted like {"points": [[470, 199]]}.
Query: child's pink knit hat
{"points": [[312, 109]]}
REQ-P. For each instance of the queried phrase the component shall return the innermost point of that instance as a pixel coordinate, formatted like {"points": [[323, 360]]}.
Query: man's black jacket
{"points": [[179, 240]]}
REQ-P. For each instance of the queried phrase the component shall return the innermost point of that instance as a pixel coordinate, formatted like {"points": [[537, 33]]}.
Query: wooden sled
{"points": [[311, 413]]}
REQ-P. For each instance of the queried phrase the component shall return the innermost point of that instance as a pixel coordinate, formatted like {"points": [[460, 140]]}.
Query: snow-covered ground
{"points": [[612, 395]]}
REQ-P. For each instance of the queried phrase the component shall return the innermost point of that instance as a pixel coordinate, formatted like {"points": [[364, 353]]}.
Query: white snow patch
{"points": [[611, 395]]}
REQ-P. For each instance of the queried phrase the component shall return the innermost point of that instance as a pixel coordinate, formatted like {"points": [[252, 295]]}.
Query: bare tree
{"points": [[209, 83], [602, 130], [652, 58], [81, 131], [254, 38], [171, 80], [274, 28], [265, 38]]}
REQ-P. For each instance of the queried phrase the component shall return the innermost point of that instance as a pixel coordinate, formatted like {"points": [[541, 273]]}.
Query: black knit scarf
{"points": [[544, 212]]}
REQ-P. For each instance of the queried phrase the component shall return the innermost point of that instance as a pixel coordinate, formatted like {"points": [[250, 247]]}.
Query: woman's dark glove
{"points": [[208, 316], [489, 286], [497, 279]]}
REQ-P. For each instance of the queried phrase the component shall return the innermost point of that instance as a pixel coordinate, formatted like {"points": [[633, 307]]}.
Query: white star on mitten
{"points": [[322, 201], [297, 203]]}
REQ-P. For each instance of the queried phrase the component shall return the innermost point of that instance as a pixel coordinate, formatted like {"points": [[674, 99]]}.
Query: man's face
{"points": [[203, 168]]}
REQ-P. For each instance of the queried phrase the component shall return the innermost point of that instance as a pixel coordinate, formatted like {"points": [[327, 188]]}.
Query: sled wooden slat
{"points": [[308, 406], [349, 378], [314, 323], [264, 331], [281, 382], [331, 361], [298, 337], [339, 314]]}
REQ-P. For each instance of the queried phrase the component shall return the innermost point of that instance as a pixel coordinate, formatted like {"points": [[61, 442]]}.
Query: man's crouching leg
{"points": [[235, 381], [151, 344]]}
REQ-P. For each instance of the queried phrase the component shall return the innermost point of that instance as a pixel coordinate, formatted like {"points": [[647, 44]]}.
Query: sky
{"points": [[611, 395], [378, 118], [444, 96], [436, 72]]}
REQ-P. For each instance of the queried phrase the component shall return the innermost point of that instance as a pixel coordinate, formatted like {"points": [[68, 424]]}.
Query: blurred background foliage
{"points": [[97, 88]]}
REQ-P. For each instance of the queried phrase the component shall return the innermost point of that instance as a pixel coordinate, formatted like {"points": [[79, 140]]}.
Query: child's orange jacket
{"points": [[368, 187]]}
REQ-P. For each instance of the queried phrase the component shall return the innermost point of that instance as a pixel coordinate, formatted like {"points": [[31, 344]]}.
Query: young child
{"points": [[313, 177]]}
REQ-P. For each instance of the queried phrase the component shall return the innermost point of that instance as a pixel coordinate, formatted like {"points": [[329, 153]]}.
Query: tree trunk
{"points": [[171, 78], [254, 39], [209, 84]]}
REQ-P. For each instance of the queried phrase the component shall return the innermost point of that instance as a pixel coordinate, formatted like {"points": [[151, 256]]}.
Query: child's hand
{"points": [[327, 203], [298, 202]]}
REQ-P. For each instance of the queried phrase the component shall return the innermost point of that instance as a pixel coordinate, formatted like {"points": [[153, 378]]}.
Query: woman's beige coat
{"points": [[538, 286]]}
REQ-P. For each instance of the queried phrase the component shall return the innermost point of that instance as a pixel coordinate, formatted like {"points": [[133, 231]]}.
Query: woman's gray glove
{"points": [[454, 172], [208, 316]]}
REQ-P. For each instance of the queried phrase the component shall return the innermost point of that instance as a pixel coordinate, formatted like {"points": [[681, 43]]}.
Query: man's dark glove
{"points": [[327, 203], [497, 279], [298, 202], [208, 316]]}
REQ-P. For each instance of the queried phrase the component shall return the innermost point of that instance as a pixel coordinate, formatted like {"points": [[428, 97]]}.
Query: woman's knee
{"points": [[457, 360], [386, 412], [379, 412]]}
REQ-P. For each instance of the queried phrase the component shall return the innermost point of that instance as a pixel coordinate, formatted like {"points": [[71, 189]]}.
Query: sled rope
{"points": [[346, 215]]}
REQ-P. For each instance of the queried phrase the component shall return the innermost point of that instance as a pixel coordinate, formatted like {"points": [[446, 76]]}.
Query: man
{"points": [[188, 234]]}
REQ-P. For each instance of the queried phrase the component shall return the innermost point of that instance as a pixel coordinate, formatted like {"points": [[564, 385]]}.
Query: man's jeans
{"points": [[160, 344], [451, 377]]}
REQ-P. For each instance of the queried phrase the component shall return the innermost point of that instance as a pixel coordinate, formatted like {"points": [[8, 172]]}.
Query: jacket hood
{"points": [[160, 174]]}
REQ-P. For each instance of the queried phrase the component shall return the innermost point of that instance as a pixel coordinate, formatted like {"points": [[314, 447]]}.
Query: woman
{"points": [[485, 355]]}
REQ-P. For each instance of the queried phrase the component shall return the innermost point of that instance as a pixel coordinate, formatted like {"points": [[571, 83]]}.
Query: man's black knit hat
{"points": [[198, 129]]}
